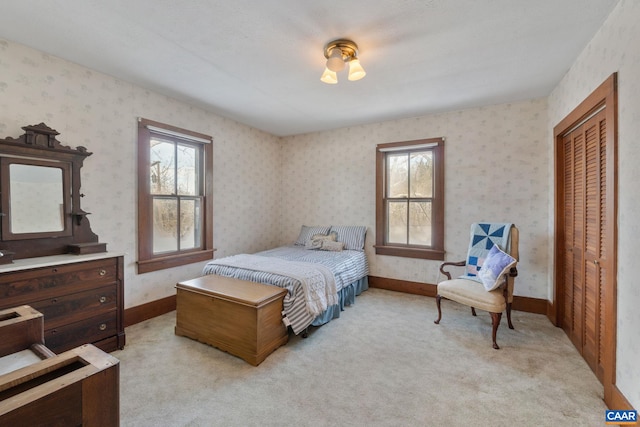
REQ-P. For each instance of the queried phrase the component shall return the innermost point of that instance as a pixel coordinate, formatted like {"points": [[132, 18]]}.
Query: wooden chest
{"points": [[242, 318], [80, 296], [80, 387]]}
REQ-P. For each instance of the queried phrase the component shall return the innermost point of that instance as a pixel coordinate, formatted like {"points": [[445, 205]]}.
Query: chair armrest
{"points": [[455, 264]]}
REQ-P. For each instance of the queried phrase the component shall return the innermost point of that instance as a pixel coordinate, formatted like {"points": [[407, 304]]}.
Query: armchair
{"points": [[490, 272]]}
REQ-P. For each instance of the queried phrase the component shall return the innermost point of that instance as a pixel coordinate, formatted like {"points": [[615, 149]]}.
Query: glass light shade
{"points": [[329, 77], [356, 72], [335, 62]]}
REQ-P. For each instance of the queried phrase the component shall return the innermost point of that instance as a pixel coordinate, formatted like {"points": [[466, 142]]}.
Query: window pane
{"points": [[165, 225], [162, 167], [397, 214], [421, 181], [188, 178], [397, 168], [420, 223], [190, 223]]}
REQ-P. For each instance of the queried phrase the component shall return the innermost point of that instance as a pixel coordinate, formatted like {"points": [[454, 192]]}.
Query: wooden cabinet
{"points": [[80, 387], [80, 296]]}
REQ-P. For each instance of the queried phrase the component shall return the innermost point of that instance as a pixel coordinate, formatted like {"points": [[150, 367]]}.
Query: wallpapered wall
{"points": [[100, 112], [265, 187], [496, 169], [615, 48]]}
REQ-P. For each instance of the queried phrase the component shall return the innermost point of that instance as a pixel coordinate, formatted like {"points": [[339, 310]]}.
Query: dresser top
{"points": [[48, 261]]}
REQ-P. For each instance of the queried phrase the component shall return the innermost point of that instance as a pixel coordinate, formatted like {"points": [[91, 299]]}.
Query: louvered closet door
{"points": [[573, 200], [585, 259]]}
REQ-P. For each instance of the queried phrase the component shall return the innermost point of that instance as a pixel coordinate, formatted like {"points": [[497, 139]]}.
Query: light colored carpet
{"points": [[382, 363]]}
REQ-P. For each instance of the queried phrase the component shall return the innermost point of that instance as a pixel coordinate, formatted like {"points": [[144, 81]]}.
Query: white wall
{"points": [[496, 161], [615, 48], [100, 112]]}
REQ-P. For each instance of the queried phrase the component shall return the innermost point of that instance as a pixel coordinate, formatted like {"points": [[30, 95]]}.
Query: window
{"points": [[175, 209], [410, 199]]}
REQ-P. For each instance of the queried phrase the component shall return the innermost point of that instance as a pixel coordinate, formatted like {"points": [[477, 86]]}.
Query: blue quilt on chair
{"points": [[483, 237]]}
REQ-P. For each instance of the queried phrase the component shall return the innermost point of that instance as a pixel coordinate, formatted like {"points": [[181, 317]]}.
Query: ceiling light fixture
{"points": [[339, 53]]}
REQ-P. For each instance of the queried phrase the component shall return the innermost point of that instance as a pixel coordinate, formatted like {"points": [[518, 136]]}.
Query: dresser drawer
{"points": [[89, 330], [23, 287], [81, 299], [72, 308]]}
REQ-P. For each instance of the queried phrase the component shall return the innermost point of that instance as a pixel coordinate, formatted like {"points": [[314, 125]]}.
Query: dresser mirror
{"points": [[38, 202], [40, 197]]}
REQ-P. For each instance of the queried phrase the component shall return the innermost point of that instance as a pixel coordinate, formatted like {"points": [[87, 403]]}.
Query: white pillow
{"points": [[330, 245], [317, 240], [494, 267]]}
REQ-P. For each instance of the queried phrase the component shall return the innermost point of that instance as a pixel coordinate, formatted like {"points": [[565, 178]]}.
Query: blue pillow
{"points": [[353, 236], [494, 267]]}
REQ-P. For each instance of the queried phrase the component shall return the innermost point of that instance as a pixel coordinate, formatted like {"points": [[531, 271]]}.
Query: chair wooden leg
{"points": [[509, 316], [438, 298], [473, 311], [495, 322]]}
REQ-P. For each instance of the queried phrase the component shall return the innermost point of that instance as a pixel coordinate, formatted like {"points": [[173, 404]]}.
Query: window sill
{"points": [[161, 263], [401, 251]]}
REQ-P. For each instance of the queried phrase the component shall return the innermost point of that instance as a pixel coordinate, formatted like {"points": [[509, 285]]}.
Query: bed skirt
{"points": [[346, 297]]}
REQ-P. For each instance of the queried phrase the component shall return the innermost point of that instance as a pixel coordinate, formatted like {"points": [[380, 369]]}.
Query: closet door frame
{"points": [[604, 96]]}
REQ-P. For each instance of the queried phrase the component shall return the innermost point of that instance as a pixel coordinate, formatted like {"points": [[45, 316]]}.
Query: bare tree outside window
{"points": [[175, 196], [174, 187], [410, 198], [410, 189]]}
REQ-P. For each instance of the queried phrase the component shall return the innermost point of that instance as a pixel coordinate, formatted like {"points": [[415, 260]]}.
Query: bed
{"points": [[323, 272]]}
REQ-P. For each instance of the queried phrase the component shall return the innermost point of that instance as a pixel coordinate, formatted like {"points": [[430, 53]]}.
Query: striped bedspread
{"points": [[347, 267]]}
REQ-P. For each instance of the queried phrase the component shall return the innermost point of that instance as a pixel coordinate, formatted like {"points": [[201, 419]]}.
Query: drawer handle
{"points": [[103, 326], [102, 272], [55, 300], [55, 270], [103, 299]]}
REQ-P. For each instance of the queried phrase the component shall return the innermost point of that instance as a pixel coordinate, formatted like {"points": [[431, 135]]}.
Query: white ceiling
{"points": [[259, 61]]}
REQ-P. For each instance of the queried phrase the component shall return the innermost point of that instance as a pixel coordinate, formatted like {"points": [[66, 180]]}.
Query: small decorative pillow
{"points": [[306, 232], [313, 244], [317, 240], [328, 245], [495, 265], [330, 237]]}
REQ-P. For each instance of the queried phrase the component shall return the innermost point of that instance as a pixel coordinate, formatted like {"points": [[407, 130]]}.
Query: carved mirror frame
{"points": [[38, 146]]}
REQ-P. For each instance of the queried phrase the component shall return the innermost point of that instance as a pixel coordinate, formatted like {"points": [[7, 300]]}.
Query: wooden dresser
{"points": [[81, 297]]}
